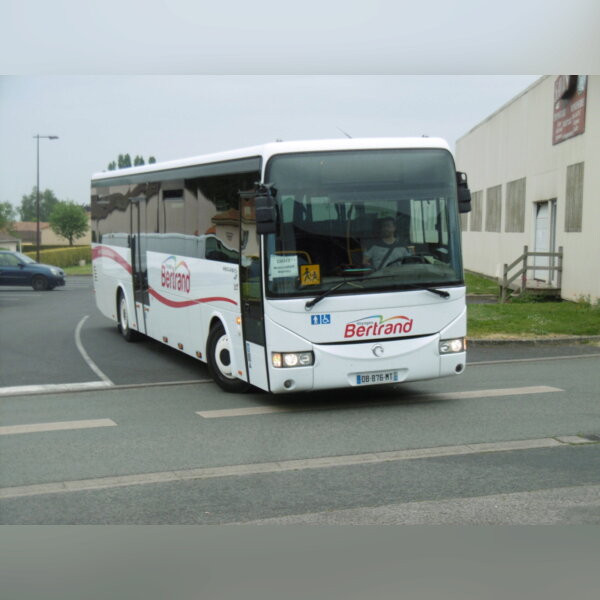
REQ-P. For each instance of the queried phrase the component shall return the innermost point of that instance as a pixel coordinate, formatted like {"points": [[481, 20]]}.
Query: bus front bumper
{"points": [[369, 363]]}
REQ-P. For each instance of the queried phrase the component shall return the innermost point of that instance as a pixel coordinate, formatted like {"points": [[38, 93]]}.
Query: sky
{"points": [[180, 78], [170, 117]]}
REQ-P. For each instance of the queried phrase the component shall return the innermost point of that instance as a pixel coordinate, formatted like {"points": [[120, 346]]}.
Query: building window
{"points": [[493, 209], [574, 198], [515, 206], [476, 210]]}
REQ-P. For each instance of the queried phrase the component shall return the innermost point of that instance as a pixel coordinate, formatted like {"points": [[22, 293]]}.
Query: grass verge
{"points": [[77, 270], [534, 319], [528, 316], [481, 285]]}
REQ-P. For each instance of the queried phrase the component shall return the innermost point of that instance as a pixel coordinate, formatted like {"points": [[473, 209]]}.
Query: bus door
{"points": [[138, 260], [252, 309]]}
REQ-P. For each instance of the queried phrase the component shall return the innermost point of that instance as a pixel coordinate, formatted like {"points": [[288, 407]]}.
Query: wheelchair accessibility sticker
{"points": [[320, 319]]}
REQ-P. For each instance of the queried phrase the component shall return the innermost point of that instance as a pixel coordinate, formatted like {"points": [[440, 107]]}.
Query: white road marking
{"points": [[101, 483], [52, 388], [57, 426], [57, 388], [91, 364], [491, 393]]}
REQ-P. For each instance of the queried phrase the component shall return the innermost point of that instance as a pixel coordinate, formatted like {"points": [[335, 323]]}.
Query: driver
{"points": [[387, 249]]}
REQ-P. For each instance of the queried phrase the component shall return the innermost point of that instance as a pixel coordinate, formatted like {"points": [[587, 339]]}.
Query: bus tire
{"points": [[219, 362], [128, 334]]}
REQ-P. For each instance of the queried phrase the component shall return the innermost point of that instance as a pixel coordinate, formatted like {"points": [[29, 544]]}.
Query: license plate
{"points": [[375, 378]]}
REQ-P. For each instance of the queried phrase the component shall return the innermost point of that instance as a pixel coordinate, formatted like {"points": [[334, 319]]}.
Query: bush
{"points": [[29, 249], [64, 257]]}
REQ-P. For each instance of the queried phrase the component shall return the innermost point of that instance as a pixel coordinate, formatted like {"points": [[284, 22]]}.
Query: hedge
{"points": [[64, 257]]}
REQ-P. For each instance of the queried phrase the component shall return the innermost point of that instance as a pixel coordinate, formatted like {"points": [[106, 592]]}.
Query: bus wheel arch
{"points": [[219, 359], [123, 317]]}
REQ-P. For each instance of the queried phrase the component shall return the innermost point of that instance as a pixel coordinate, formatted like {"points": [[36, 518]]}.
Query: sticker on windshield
{"points": [[283, 266], [310, 274]]}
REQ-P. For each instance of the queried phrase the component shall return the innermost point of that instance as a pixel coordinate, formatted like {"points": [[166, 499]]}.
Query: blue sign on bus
{"points": [[320, 319]]}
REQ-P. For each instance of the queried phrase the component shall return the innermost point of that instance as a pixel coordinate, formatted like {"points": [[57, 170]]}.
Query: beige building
{"points": [[26, 231], [9, 242], [534, 178]]}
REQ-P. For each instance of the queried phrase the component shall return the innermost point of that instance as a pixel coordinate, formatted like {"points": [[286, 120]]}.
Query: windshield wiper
{"points": [[411, 286], [310, 303]]}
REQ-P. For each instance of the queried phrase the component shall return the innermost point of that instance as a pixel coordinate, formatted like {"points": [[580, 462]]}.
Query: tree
{"points": [[124, 162], [7, 214], [28, 210], [69, 220]]}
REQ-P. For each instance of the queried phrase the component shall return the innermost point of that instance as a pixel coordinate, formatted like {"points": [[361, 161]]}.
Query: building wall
{"points": [[9, 243], [27, 233], [516, 143], [49, 238]]}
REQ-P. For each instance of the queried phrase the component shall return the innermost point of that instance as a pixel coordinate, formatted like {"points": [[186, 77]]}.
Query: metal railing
{"points": [[555, 266]]}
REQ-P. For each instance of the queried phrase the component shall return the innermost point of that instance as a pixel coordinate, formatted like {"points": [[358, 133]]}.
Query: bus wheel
{"points": [[219, 362], [129, 334]]}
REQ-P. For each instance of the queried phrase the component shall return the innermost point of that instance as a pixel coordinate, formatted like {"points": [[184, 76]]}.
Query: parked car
{"points": [[18, 269]]}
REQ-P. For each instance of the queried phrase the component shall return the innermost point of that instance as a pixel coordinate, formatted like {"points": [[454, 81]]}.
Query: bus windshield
{"points": [[380, 220]]}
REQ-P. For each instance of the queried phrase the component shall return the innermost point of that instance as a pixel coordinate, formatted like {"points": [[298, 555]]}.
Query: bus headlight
{"points": [[452, 346], [292, 359]]}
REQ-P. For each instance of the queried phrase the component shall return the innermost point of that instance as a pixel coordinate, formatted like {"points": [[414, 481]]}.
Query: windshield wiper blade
{"points": [[352, 281], [310, 303], [412, 286]]}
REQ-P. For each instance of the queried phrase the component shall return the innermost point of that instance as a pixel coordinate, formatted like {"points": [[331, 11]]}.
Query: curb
{"points": [[574, 339]]}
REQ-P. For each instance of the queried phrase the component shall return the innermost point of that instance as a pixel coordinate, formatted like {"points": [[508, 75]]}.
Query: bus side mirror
{"points": [[266, 214], [464, 193]]}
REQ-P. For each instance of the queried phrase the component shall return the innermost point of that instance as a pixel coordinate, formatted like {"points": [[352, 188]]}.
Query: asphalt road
{"points": [[513, 440]]}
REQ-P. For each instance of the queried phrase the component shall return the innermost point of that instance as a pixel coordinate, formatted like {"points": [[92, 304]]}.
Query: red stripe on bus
{"points": [[103, 251], [184, 303]]}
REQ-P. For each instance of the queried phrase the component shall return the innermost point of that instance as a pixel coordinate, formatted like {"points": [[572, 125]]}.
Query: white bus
{"points": [[266, 262]]}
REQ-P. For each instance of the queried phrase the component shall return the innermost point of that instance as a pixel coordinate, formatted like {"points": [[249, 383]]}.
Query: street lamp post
{"points": [[37, 205]]}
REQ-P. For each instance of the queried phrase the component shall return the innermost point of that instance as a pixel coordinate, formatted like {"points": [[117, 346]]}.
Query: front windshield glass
{"points": [[377, 219], [25, 259]]}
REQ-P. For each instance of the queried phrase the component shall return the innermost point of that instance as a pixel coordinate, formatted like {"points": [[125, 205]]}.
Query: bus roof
{"points": [[272, 148]]}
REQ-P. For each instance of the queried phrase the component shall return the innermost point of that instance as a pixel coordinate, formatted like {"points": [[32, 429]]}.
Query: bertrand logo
{"points": [[376, 325], [174, 275]]}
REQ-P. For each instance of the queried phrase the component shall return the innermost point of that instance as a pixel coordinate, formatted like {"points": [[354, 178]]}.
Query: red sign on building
{"points": [[570, 94]]}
